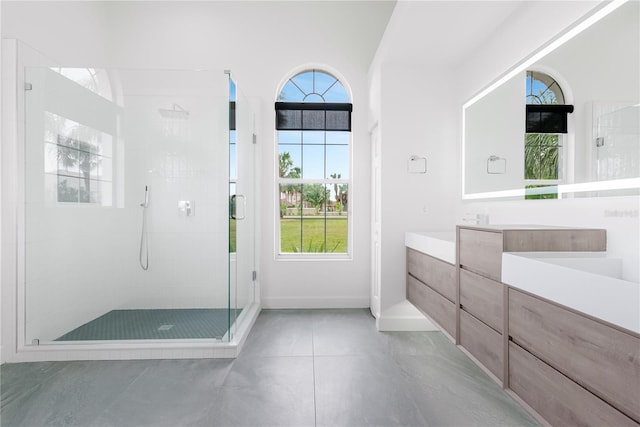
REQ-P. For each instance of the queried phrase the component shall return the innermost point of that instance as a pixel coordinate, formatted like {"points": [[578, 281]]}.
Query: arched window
{"points": [[313, 125], [313, 86], [94, 79], [543, 89], [546, 126]]}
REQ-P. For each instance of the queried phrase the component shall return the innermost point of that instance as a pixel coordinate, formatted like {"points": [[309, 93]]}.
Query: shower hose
{"points": [[144, 243]]}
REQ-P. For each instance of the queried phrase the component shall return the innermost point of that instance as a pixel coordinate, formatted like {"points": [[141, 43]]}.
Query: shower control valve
{"points": [[187, 207]]}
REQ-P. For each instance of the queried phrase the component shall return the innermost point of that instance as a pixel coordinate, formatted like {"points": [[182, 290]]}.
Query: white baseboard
{"points": [[404, 317], [301, 302]]}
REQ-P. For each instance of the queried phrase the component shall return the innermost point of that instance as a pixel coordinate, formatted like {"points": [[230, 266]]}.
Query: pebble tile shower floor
{"points": [[187, 323], [297, 368]]}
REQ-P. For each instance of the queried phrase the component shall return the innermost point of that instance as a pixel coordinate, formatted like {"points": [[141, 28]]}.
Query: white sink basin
{"points": [[438, 244], [589, 282]]}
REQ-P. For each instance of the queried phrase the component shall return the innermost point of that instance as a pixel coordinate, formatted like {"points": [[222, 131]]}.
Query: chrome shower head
{"points": [[177, 112]]}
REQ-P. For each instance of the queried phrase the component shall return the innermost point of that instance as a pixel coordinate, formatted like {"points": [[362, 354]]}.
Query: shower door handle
{"points": [[232, 207], [244, 207]]}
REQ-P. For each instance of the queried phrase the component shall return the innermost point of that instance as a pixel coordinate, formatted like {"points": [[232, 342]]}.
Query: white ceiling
{"points": [[442, 31]]}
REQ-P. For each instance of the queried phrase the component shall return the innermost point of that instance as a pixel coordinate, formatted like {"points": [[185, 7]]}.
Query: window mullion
{"points": [[297, 181], [302, 218]]}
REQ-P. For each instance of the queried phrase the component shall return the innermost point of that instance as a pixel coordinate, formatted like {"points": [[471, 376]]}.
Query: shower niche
{"points": [[114, 253]]}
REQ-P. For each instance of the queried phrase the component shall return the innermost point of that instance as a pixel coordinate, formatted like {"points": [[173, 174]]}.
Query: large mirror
{"points": [[566, 121]]}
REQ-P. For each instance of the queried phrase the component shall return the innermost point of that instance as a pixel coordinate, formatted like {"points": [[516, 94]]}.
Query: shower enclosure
{"points": [[138, 207]]}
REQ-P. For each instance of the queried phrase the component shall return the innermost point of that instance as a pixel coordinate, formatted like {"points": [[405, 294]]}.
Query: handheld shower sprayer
{"points": [[145, 204]]}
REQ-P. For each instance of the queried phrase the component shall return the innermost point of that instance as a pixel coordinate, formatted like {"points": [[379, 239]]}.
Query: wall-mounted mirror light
{"points": [[567, 117]]}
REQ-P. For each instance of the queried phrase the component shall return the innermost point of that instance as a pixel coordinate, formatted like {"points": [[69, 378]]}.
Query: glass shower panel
{"points": [[617, 141], [242, 226], [126, 200]]}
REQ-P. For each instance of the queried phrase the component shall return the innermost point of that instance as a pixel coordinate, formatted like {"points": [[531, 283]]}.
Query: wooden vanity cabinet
{"points": [[557, 398], [571, 368], [482, 298], [600, 359], [435, 306], [480, 309], [480, 251], [434, 272], [483, 342], [480, 248], [431, 287], [482, 327], [481, 317], [481, 320]]}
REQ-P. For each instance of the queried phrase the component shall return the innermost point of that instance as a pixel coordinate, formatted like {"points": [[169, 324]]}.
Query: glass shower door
{"points": [[241, 207]]}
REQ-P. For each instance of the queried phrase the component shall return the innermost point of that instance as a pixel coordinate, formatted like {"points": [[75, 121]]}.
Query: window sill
{"points": [[313, 257]]}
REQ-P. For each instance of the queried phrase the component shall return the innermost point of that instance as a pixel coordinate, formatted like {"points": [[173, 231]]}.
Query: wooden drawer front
{"points": [[554, 240], [482, 297], [433, 304], [481, 251], [559, 400], [436, 273], [483, 342], [602, 359]]}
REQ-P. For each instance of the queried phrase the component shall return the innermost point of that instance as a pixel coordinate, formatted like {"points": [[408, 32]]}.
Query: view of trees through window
{"points": [[542, 156], [543, 151], [78, 161], [313, 173]]}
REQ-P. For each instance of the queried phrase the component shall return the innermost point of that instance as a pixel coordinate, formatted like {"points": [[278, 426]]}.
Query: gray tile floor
{"points": [[298, 368]]}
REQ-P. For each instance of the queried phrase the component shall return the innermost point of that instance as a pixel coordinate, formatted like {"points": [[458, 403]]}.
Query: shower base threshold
{"points": [[190, 348]]}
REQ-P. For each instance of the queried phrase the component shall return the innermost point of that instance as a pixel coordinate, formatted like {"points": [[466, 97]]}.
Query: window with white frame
{"points": [[313, 126], [78, 158], [78, 161]]}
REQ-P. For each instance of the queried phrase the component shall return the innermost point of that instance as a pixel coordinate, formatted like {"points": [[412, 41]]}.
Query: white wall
{"points": [[416, 116], [1, 139], [531, 26], [9, 195]]}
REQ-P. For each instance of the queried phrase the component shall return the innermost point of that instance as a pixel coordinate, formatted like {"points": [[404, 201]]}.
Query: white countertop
{"points": [[518, 227], [438, 244], [589, 282]]}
